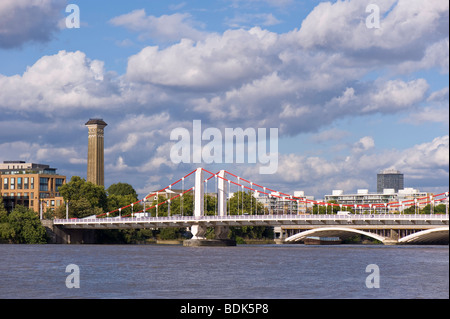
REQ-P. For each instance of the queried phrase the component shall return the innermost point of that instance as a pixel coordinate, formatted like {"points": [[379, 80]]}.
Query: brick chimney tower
{"points": [[95, 165]]}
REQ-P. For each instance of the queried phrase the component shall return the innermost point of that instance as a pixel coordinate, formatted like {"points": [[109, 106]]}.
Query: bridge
{"points": [[292, 225]]}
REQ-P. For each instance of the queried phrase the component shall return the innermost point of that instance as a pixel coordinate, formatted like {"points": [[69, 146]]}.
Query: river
{"points": [[242, 272]]}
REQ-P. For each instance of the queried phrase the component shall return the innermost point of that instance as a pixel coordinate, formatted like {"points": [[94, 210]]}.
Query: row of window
{"points": [[28, 183], [22, 183], [25, 195], [30, 203]]}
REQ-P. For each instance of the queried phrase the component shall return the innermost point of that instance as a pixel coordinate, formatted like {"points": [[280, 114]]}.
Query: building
{"points": [[363, 197], [96, 164], [276, 204], [389, 179], [34, 186]]}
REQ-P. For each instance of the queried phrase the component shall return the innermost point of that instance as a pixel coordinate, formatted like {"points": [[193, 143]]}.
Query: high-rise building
{"points": [[95, 165], [389, 179]]}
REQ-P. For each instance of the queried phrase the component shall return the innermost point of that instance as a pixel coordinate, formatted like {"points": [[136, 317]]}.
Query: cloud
{"points": [[365, 143], [318, 176], [166, 28], [216, 61], [302, 81], [66, 80], [342, 26], [41, 153], [23, 21], [436, 55]]}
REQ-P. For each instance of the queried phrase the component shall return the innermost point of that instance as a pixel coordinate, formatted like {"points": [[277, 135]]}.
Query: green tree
{"points": [[26, 226], [438, 209], [6, 231], [122, 189], [85, 198], [244, 202], [182, 205], [121, 195]]}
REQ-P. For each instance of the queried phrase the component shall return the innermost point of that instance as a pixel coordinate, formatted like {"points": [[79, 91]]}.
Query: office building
{"points": [[389, 179]]}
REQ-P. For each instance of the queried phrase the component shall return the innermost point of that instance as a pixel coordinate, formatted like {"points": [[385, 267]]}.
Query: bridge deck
{"points": [[358, 220]]}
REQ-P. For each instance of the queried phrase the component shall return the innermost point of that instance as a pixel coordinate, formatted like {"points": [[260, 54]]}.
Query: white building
{"points": [[363, 197]]}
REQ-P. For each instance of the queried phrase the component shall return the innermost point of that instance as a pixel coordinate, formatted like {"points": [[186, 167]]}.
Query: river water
{"points": [[242, 272]]}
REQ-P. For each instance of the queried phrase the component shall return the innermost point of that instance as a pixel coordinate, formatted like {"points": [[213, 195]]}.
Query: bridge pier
{"points": [[199, 231]]}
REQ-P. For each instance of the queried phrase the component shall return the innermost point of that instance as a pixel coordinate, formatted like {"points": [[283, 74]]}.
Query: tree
{"points": [[26, 226], [6, 231], [122, 189], [120, 195], [244, 202], [84, 198], [182, 205]]}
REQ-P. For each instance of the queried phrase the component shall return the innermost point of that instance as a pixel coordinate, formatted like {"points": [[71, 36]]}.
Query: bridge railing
{"points": [[109, 220]]}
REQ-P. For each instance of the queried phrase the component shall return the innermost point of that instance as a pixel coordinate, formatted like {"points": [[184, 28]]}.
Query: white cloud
{"points": [[396, 94], [299, 81], [436, 55], [66, 80], [365, 143], [217, 61], [342, 26], [318, 176]]}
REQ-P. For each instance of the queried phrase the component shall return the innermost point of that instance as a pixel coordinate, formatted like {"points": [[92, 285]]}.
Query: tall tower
{"points": [[95, 165]]}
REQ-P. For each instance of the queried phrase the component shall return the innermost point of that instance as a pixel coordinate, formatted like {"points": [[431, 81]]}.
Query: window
{"points": [[25, 182], [58, 183], [43, 184], [5, 183], [13, 183], [19, 182], [32, 182]]}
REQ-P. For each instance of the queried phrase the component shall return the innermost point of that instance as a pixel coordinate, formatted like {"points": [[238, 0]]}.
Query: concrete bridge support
{"points": [[199, 231]]}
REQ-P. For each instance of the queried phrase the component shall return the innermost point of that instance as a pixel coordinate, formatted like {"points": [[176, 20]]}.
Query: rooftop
{"points": [[97, 121], [390, 171]]}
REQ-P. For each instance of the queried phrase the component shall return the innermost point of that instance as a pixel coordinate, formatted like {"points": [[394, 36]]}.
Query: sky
{"points": [[349, 97]]}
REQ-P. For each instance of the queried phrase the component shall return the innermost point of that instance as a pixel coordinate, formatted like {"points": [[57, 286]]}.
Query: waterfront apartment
{"points": [[388, 195], [276, 204], [35, 186]]}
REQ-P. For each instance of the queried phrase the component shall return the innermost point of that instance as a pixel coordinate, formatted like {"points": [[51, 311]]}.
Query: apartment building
{"points": [[32, 185]]}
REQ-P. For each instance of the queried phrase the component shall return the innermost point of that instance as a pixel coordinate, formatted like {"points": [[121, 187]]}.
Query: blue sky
{"points": [[348, 100]]}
